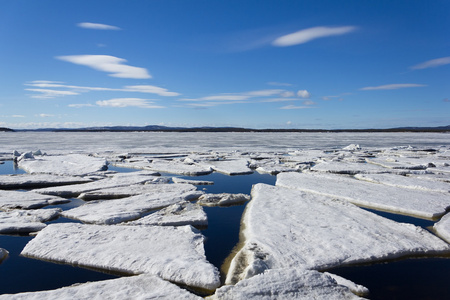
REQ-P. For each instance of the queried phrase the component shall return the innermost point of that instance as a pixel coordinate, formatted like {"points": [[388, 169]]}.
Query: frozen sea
{"points": [[393, 280]]}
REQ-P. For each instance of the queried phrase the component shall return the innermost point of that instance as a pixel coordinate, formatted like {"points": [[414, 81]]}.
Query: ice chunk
{"points": [[288, 284], [173, 253], [27, 200], [72, 164], [397, 163], [355, 288], [37, 215], [318, 232], [168, 166], [345, 167], [191, 181], [126, 288], [421, 204], [10, 223], [223, 199], [406, 182], [126, 209], [231, 166], [27, 181], [275, 166], [442, 227], [352, 147], [182, 213], [3, 254]]}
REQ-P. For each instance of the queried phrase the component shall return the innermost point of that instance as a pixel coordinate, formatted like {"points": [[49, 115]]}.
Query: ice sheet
{"points": [[182, 213], [26, 221], [27, 200], [286, 228], [223, 199], [126, 209], [191, 181], [422, 204], [443, 227], [30, 181], [173, 253], [168, 166], [343, 167], [285, 284], [126, 288], [231, 166]]}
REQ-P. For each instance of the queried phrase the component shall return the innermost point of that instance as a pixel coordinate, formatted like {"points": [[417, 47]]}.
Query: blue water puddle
{"points": [[9, 167]]}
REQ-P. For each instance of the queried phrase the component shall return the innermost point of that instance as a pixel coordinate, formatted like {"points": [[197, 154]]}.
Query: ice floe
{"points": [[26, 221], [143, 286], [126, 209], [422, 204], [345, 167], [72, 164], [285, 284], [168, 166], [3, 254], [442, 228], [319, 232], [357, 289], [31, 181], [173, 253], [223, 199], [178, 214], [192, 181], [27, 200], [231, 166], [406, 182]]}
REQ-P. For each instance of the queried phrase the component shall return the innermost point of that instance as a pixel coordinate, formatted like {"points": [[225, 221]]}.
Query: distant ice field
{"points": [[166, 142]]}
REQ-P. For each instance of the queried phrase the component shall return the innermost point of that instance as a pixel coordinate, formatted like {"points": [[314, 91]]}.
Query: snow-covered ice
{"points": [[285, 284], [178, 214], [192, 181], [442, 228], [126, 209], [406, 182], [286, 228], [173, 253], [31, 181], [26, 221], [231, 166], [355, 288], [168, 166], [344, 167], [27, 200], [223, 199], [138, 287], [422, 204], [71, 164]]}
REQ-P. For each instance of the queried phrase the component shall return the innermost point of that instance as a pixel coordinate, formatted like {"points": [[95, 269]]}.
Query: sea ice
{"points": [[406, 182], [126, 209], [26, 221], [345, 167], [355, 288], [421, 204], [319, 232], [3, 254], [140, 287], [442, 228], [31, 181], [191, 181], [285, 284], [275, 166], [231, 166], [72, 164], [173, 253], [223, 199], [178, 214], [168, 166], [27, 200]]}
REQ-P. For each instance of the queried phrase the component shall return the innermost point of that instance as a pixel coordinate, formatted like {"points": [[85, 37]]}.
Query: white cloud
{"points": [[128, 102], [303, 94], [279, 83], [150, 89], [307, 35], [79, 105], [97, 26], [48, 94], [391, 86], [226, 97], [294, 107], [45, 115], [308, 102], [432, 63], [109, 64], [280, 99], [265, 93]]}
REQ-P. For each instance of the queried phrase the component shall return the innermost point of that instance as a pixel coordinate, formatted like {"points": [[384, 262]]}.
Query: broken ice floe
{"points": [[127, 209], [318, 232], [422, 204], [231, 166], [223, 199], [345, 167], [191, 181], [178, 214], [30, 181], [357, 289], [442, 228], [173, 253], [26, 221], [167, 166], [285, 284], [143, 286], [72, 164], [406, 182], [3, 254], [27, 200]]}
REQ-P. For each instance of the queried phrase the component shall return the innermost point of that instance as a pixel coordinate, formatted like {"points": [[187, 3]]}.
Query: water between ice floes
{"points": [[405, 279]]}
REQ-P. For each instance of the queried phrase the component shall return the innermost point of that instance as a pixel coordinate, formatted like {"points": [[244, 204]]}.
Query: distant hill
{"points": [[157, 128], [5, 129]]}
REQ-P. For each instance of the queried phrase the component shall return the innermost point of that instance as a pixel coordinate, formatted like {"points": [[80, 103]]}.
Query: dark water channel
{"points": [[420, 278]]}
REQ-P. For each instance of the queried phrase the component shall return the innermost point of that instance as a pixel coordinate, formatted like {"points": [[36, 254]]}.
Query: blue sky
{"points": [[256, 63]]}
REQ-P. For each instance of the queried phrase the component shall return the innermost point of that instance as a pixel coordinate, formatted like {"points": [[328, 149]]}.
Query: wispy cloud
{"points": [[391, 86], [274, 83], [307, 35], [432, 63], [150, 89], [107, 63], [79, 105], [45, 115], [50, 94], [294, 107], [303, 94], [97, 26], [128, 102]]}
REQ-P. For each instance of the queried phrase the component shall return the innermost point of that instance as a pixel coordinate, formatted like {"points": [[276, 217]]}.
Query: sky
{"points": [[255, 63]]}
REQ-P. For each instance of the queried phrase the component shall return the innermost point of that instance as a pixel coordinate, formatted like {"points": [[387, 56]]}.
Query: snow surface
{"points": [[343, 167], [26, 221], [126, 288], [231, 166], [182, 213], [223, 199], [442, 227], [27, 200], [285, 284], [191, 181], [422, 204], [29, 181], [168, 166], [126, 209], [173, 253], [319, 232]]}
